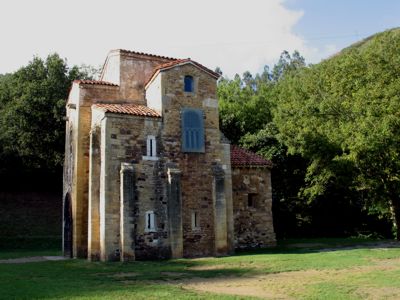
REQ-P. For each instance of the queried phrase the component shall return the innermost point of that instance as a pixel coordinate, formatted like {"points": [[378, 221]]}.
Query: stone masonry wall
{"points": [[196, 168], [253, 224], [125, 141], [76, 166], [135, 71]]}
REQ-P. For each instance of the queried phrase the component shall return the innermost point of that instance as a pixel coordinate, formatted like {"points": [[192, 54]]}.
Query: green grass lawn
{"points": [[316, 271]]}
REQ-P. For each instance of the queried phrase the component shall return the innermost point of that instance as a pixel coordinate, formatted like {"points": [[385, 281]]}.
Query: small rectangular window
{"points": [[150, 221], [251, 200], [151, 148], [189, 84], [195, 221]]}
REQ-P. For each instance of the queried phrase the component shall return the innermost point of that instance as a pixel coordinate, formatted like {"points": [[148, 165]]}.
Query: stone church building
{"points": [[148, 173]]}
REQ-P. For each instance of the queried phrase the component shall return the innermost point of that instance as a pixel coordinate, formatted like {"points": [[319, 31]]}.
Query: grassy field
{"points": [[322, 269]]}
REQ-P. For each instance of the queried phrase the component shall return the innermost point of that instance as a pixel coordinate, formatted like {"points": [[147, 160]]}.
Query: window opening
{"points": [[195, 221], [150, 221], [192, 130], [189, 84], [251, 200], [151, 146]]}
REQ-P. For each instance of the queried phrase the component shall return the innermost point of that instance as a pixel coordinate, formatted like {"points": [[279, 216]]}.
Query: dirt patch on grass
{"points": [[249, 286], [379, 293], [207, 267], [294, 284], [305, 245], [123, 275], [173, 274]]}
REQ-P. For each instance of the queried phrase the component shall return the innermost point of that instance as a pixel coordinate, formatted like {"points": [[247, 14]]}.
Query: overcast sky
{"points": [[234, 35]]}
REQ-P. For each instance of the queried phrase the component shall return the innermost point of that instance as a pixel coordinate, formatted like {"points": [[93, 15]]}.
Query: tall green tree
{"points": [[246, 105], [344, 116], [32, 108]]}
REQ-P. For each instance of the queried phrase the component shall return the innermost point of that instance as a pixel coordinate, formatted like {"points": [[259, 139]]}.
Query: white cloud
{"points": [[235, 35]]}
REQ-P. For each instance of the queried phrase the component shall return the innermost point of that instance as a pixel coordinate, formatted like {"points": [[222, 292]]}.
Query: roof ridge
{"points": [[128, 108], [94, 82], [145, 54]]}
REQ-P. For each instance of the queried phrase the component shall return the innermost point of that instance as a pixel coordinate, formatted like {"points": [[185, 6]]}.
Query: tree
{"points": [[287, 64], [344, 116], [246, 104], [32, 108]]}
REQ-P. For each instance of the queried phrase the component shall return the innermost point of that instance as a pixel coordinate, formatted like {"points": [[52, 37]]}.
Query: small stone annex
{"points": [[148, 173]]}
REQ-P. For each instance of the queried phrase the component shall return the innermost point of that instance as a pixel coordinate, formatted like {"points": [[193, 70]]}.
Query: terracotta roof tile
{"points": [[174, 63], [129, 109], [95, 82], [146, 54], [242, 158]]}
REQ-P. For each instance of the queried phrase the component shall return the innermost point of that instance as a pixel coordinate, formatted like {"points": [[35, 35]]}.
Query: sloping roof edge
{"points": [[95, 82], [177, 63], [127, 109], [244, 158]]}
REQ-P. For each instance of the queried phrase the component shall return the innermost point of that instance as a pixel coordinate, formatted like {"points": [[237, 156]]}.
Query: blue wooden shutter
{"points": [[192, 130], [189, 84]]}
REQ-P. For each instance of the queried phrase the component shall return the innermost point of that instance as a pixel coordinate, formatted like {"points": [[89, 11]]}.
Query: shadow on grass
{"points": [[163, 279], [304, 246], [72, 278]]}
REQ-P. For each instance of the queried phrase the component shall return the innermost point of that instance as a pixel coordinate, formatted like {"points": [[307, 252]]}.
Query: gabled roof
{"points": [[181, 62], [128, 109], [95, 82], [244, 158]]}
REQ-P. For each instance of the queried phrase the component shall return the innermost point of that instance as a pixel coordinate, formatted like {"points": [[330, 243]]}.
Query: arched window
{"points": [[192, 130], [189, 84]]}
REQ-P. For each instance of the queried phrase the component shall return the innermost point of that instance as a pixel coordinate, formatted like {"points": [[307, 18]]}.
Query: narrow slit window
{"points": [[195, 221], [150, 221], [189, 84], [151, 146]]}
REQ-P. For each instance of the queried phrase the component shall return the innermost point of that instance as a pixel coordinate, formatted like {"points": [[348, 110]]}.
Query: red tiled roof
{"points": [[174, 63], [95, 82], [129, 109], [146, 54], [242, 158]]}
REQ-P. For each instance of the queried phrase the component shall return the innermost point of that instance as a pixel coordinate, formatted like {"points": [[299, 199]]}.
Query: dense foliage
{"points": [[32, 108], [343, 115], [332, 132]]}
